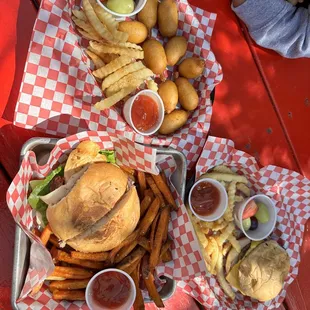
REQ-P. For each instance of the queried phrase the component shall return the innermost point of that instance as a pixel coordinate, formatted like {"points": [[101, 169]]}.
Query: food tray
{"points": [[43, 108], [42, 148]]}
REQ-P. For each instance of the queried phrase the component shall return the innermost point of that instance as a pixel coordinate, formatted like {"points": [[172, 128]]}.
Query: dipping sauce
{"points": [[205, 198], [144, 113], [110, 290]]}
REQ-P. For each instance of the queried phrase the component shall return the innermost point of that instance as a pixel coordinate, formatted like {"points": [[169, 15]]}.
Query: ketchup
{"points": [[111, 290], [205, 198], [144, 113]]}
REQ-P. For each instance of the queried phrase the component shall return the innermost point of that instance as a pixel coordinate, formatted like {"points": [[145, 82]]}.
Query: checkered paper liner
{"points": [[289, 191], [187, 259], [58, 92]]}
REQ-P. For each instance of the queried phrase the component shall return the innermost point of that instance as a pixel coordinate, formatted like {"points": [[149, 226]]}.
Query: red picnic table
{"points": [[262, 104]]}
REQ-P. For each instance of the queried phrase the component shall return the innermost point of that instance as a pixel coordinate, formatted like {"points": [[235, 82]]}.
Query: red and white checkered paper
{"points": [[187, 259], [290, 192], [58, 92]]}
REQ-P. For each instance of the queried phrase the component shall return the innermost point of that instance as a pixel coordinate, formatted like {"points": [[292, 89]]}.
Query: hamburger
{"points": [[261, 272], [95, 206]]}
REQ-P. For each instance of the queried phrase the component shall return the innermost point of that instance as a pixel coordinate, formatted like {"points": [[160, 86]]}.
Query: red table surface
{"points": [[261, 104]]}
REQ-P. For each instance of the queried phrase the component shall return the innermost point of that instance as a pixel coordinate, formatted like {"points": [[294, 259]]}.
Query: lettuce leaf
{"points": [[43, 189], [110, 155]]}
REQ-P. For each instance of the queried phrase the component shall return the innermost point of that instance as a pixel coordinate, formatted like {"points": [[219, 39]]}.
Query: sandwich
{"points": [[261, 272], [90, 203]]}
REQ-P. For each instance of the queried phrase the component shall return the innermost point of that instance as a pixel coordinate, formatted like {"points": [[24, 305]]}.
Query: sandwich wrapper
{"points": [[58, 92], [187, 259], [289, 191]]}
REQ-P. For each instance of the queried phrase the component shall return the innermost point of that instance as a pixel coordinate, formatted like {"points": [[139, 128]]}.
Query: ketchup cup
{"points": [[128, 110], [222, 203], [110, 289]]}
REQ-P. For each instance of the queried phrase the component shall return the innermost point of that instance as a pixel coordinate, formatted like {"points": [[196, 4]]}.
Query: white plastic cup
{"points": [[139, 5], [263, 230], [220, 210], [128, 303], [161, 111]]}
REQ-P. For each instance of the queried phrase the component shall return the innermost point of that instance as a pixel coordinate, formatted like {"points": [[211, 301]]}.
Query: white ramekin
{"points": [[130, 300], [139, 5], [161, 111], [263, 230], [222, 204]]}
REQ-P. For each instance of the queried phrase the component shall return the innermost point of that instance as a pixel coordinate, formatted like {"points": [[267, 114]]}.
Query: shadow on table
{"points": [[25, 21]]}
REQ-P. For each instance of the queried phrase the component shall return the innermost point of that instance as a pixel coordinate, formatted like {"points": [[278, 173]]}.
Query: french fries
{"points": [[244, 189], [113, 66], [36, 289], [79, 15], [114, 59], [153, 230], [139, 302], [141, 182], [146, 202], [111, 24], [62, 256], [134, 79], [109, 102], [163, 175], [231, 192], [149, 192], [221, 278], [98, 62], [164, 189], [116, 49], [166, 248], [223, 169], [149, 283], [97, 257], [225, 233], [88, 28], [213, 252], [85, 34], [46, 233], [145, 243], [36, 232], [107, 58], [234, 242], [125, 251], [95, 22], [69, 295], [238, 198], [161, 234], [227, 177], [68, 284], [155, 190], [166, 257], [131, 238], [130, 45], [128, 170], [70, 273], [226, 248], [149, 217], [129, 263], [117, 75], [54, 241]]}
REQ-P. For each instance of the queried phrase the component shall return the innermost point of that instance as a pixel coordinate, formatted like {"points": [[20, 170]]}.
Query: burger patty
{"points": [[56, 182]]}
